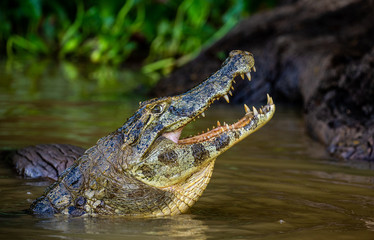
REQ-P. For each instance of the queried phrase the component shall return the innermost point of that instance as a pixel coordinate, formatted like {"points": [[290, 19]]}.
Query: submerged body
{"points": [[143, 168]]}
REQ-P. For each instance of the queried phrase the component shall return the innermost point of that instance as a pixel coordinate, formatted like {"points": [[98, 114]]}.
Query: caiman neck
{"points": [[186, 193]]}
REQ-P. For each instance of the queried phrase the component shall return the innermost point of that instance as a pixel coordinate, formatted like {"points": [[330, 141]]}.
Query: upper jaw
{"points": [[189, 105], [219, 85]]}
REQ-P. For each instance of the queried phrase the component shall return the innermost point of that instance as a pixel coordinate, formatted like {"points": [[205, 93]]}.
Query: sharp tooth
{"points": [[227, 98], [230, 93], [255, 111], [270, 100], [203, 114], [248, 76], [260, 110], [218, 124], [246, 108], [254, 68], [242, 75], [232, 88], [234, 80], [207, 129]]}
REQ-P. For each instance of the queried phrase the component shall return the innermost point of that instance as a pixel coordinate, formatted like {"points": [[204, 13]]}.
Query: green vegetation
{"points": [[92, 38], [164, 33]]}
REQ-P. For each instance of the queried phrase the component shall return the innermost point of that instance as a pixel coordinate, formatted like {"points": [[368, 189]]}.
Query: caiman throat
{"points": [[144, 168]]}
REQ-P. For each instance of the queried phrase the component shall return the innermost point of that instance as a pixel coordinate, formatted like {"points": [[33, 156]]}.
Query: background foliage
{"points": [[161, 32]]}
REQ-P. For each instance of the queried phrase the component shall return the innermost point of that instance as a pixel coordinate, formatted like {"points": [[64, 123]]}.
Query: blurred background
{"points": [[98, 42]]}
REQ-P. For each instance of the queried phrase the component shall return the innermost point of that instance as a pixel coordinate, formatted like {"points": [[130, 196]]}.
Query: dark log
{"points": [[44, 160], [316, 52]]}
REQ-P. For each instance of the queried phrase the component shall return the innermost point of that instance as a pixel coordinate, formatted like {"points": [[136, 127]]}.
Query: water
{"points": [[275, 184]]}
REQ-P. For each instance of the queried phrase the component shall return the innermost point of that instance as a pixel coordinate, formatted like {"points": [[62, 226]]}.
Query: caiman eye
{"points": [[157, 109]]}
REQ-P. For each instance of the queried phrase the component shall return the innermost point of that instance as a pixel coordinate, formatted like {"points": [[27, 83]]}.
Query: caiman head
{"points": [[183, 166]]}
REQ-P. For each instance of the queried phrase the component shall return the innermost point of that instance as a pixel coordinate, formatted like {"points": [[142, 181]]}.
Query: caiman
{"points": [[144, 168]]}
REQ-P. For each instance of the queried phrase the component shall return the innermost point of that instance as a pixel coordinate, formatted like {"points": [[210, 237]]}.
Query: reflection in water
{"points": [[183, 226], [275, 184], [24, 80], [20, 226]]}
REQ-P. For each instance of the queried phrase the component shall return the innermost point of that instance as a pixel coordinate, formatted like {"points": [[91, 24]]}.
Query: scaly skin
{"points": [[143, 168]]}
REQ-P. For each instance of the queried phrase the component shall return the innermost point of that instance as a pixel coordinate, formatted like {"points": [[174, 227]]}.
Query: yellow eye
{"points": [[157, 109]]}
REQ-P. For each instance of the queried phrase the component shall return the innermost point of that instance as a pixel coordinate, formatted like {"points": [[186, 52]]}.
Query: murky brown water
{"points": [[276, 184]]}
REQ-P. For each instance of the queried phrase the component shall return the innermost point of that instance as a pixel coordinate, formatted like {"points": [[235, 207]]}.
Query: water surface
{"points": [[275, 184]]}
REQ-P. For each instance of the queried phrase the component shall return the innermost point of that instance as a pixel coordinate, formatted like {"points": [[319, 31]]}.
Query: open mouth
{"points": [[262, 113]]}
